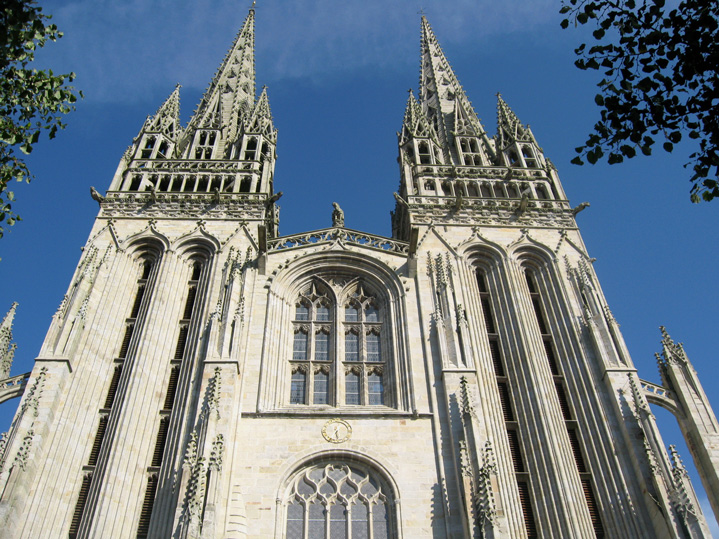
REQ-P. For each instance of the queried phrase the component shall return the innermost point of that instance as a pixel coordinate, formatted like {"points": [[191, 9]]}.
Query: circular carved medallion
{"points": [[337, 431]]}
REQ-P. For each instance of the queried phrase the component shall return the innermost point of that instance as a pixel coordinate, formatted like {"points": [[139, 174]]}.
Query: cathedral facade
{"points": [[206, 377]]}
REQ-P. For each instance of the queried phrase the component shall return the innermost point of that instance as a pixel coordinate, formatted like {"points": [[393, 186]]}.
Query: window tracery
{"points": [[338, 500], [338, 356]]}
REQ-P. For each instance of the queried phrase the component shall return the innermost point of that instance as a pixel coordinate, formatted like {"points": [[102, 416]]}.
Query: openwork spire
{"points": [[7, 348], [231, 93], [509, 128], [440, 93], [167, 118]]}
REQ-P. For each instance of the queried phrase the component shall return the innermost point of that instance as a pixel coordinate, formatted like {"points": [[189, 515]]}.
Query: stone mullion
{"points": [[559, 507], [586, 396], [174, 295], [187, 397], [498, 280], [494, 427]]}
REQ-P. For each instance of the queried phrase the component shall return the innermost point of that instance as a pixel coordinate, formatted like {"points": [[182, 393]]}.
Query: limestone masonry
{"points": [[205, 377]]}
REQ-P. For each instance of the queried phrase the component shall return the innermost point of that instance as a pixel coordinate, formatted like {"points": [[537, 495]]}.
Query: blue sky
{"points": [[337, 76]]}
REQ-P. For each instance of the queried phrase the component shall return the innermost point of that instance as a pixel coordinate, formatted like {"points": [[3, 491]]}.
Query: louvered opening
{"points": [[191, 293], [482, 283], [126, 341], [138, 301], [171, 388], [112, 391], [160, 442], [97, 444], [538, 313], [181, 340], [592, 506], [143, 527], [563, 402], [505, 400], [80, 505], [196, 270], [551, 358], [576, 450], [496, 357], [529, 275], [514, 449], [146, 267], [487, 312], [525, 501]]}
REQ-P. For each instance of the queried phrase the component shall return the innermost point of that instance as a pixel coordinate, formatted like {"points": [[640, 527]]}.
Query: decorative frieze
{"points": [[246, 207], [331, 235]]}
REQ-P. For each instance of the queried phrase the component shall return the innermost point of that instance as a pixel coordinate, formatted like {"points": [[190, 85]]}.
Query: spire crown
{"points": [[232, 89]]}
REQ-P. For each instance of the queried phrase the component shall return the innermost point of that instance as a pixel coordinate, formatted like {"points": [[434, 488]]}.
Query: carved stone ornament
{"points": [[337, 431]]}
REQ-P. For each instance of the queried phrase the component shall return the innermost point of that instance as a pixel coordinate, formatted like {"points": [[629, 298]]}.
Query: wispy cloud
{"points": [[124, 51]]}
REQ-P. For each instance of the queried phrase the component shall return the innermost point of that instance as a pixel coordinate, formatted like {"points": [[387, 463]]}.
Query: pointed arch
{"points": [[345, 488], [366, 360]]}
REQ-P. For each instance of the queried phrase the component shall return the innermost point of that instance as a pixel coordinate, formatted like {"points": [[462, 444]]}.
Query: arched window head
{"points": [[335, 498]]}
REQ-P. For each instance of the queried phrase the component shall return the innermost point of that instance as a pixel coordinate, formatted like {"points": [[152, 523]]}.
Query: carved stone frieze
{"points": [[488, 212], [187, 206]]}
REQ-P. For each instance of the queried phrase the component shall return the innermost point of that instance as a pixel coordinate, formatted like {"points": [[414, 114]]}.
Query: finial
{"points": [[421, 11]]}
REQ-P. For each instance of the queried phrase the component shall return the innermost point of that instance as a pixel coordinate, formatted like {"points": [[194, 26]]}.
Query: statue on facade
{"points": [[338, 216]]}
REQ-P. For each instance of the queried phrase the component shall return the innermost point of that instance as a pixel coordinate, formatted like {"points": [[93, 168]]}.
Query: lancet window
{"points": [[338, 356], [312, 356], [363, 361], [339, 500]]}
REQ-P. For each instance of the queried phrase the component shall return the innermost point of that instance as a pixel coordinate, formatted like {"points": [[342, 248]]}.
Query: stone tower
{"points": [[205, 377]]}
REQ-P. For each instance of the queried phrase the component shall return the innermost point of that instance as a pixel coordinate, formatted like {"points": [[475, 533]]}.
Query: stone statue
{"points": [[338, 216]]}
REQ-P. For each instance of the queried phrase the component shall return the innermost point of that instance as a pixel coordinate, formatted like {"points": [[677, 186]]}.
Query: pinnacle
{"points": [[509, 128], [9, 316]]}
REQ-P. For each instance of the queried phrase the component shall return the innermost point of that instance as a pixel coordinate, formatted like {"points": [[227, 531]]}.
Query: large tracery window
{"points": [[337, 353], [340, 500]]}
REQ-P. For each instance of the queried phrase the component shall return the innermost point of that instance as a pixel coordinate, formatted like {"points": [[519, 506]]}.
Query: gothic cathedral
{"points": [[205, 377]]}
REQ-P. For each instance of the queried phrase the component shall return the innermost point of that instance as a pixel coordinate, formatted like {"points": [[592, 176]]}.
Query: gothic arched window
{"points": [[339, 499], [338, 357], [311, 349]]}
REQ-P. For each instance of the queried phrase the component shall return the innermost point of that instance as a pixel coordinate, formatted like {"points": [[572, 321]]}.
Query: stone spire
{"points": [[7, 348], [231, 93], [509, 128], [167, 118], [442, 97]]}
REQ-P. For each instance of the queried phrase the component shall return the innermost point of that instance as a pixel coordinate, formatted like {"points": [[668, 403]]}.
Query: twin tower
{"points": [[205, 377]]}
